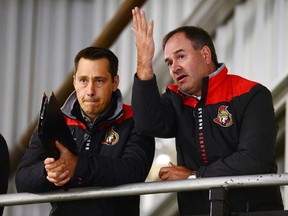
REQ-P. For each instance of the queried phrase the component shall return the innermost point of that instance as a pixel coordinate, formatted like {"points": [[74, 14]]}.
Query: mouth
{"points": [[90, 102], [180, 78]]}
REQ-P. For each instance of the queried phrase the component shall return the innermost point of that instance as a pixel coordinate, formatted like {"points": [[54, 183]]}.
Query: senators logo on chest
{"points": [[224, 117], [111, 137]]}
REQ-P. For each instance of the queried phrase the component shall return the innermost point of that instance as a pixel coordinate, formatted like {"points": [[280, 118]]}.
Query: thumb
{"points": [[170, 164], [60, 147]]}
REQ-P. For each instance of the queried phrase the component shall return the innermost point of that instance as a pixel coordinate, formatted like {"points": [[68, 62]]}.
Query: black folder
{"points": [[52, 126]]}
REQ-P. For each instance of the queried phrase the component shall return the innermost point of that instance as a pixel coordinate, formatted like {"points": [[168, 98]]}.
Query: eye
{"points": [[82, 80], [169, 63], [100, 82]]}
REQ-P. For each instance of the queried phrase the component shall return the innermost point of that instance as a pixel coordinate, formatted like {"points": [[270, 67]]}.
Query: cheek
{"points": [[105, 95], [171, 74], [80, 92]]}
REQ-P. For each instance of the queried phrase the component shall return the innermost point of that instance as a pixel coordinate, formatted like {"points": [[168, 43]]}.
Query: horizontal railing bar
{"points": [[145, 188]]}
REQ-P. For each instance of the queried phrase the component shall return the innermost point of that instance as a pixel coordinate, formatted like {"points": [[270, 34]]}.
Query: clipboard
{"points": [[52, 126]]}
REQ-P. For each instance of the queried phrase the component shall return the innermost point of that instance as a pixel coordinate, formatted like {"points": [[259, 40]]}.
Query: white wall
{"points": [[38, 42], [39, 39], [253, 43]]}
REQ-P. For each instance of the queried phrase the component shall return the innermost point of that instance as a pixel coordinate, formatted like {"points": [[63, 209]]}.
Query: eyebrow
{"points": [[95, 77], [176, 52]]}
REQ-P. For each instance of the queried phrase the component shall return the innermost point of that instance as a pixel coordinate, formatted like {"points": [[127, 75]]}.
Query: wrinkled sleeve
{"points": [[30, 174], [4, 165], [153, 114]]}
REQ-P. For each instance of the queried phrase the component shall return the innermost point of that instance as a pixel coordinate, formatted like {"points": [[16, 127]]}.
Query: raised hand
{"points": [[143, 32]]}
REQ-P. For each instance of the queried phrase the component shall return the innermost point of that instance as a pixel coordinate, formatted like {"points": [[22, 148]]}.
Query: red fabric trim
{"points": [[187, 100], [127, 114], [73, 122], [231, 86]]}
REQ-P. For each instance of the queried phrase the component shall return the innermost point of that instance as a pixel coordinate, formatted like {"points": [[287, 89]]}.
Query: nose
{"points": [[175, 68], [90, 89]]}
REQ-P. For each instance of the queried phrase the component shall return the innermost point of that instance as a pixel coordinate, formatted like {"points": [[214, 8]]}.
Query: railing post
{"points": [[218, 202]]}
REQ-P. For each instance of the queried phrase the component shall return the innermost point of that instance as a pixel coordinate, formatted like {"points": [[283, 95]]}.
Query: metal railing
{"points": [[226, 182]]}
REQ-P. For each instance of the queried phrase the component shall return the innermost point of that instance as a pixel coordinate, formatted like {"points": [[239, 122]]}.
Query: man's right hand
{"points": [[173, 172], [56, 172], [60, 171], [145, 44]]}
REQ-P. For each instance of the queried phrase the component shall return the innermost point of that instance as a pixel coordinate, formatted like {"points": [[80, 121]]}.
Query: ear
{"points": [[206, 53], [115, 83], [74, 80]]}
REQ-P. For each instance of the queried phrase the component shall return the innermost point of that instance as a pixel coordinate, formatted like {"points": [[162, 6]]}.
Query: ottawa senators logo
{"points": [[111, 138], [224, 118]]}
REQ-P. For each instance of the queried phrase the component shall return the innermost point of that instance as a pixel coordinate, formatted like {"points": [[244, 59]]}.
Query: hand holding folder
{"points": [[52, 126]]}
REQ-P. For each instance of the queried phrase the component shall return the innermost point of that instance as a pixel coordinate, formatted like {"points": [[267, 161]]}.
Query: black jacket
{"points": [[4, 167], [111, 153], [231, 130]]}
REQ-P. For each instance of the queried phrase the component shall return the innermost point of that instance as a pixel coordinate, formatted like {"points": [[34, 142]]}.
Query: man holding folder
{"points": [[110, 151]]}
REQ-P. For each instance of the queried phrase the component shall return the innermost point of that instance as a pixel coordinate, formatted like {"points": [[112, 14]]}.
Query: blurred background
{"points": [[39, 39]]}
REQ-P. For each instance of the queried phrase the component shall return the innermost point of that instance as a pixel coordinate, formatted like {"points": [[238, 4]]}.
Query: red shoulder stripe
{"points": [[73, 122], [233, 86], [127, 114], [189, 101]]}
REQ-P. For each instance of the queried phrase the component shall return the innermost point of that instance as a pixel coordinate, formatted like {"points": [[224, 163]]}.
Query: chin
{"points": [[185, 90]]}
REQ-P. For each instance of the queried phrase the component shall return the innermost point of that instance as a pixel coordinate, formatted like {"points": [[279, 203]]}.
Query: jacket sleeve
{"points": [[153, 114], [30, 174], [133, 166], [4, 165], [257, 137]]}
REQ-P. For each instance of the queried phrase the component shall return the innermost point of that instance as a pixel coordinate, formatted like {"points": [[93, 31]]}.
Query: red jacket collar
{"points": [[233, 85]]}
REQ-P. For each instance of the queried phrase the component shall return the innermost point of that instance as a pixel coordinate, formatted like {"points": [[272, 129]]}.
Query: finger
{"points": [[58, 182], [136, 18], [60, 147], [164, 176], [55, 166], [170, 164], [143, 21], [163, 171], [160, 174], [55, 177], [60, 168], [150, 28], [58, 175], [49, 160], [63, 182]]}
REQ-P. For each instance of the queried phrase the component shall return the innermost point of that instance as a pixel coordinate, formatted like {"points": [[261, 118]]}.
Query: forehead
{"points": [[86, 66], [176, 43]]}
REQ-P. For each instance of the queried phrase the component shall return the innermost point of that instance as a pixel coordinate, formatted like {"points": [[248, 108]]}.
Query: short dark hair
{"points": [[93, 53], [198, 36]]}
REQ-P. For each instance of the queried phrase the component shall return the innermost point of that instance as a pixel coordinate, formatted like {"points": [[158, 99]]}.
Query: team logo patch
{"points": [[224, 118], [111, 138]]}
